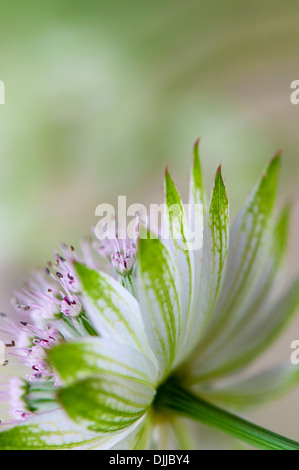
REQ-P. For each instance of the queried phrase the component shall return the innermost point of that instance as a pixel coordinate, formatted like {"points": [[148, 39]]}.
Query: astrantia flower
{"points": [[101, 344]]}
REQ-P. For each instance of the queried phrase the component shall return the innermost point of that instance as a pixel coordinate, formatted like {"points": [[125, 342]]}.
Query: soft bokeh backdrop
{"points": [[100, 96]]}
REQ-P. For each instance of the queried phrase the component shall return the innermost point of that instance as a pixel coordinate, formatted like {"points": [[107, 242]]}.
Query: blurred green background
{"points": [[100, 96]]}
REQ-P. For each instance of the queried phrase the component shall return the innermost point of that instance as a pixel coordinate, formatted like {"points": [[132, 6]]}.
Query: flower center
{"points": [[121, 253]]}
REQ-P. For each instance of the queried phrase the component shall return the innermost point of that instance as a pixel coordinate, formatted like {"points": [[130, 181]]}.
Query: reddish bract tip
{"points": [[197, 142], [277, 153]]}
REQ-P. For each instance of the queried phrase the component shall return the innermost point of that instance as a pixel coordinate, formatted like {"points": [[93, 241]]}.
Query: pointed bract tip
{"points": [[196, 152], [196, 143], [167, 175], [219, 177], [274, 163], [276, 158], [277, 154]]}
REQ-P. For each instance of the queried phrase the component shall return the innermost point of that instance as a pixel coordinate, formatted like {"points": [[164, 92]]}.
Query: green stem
{"points": [[172, 397]]}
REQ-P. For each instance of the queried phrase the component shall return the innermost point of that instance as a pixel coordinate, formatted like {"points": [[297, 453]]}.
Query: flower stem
{"points": [[172, 397]]}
